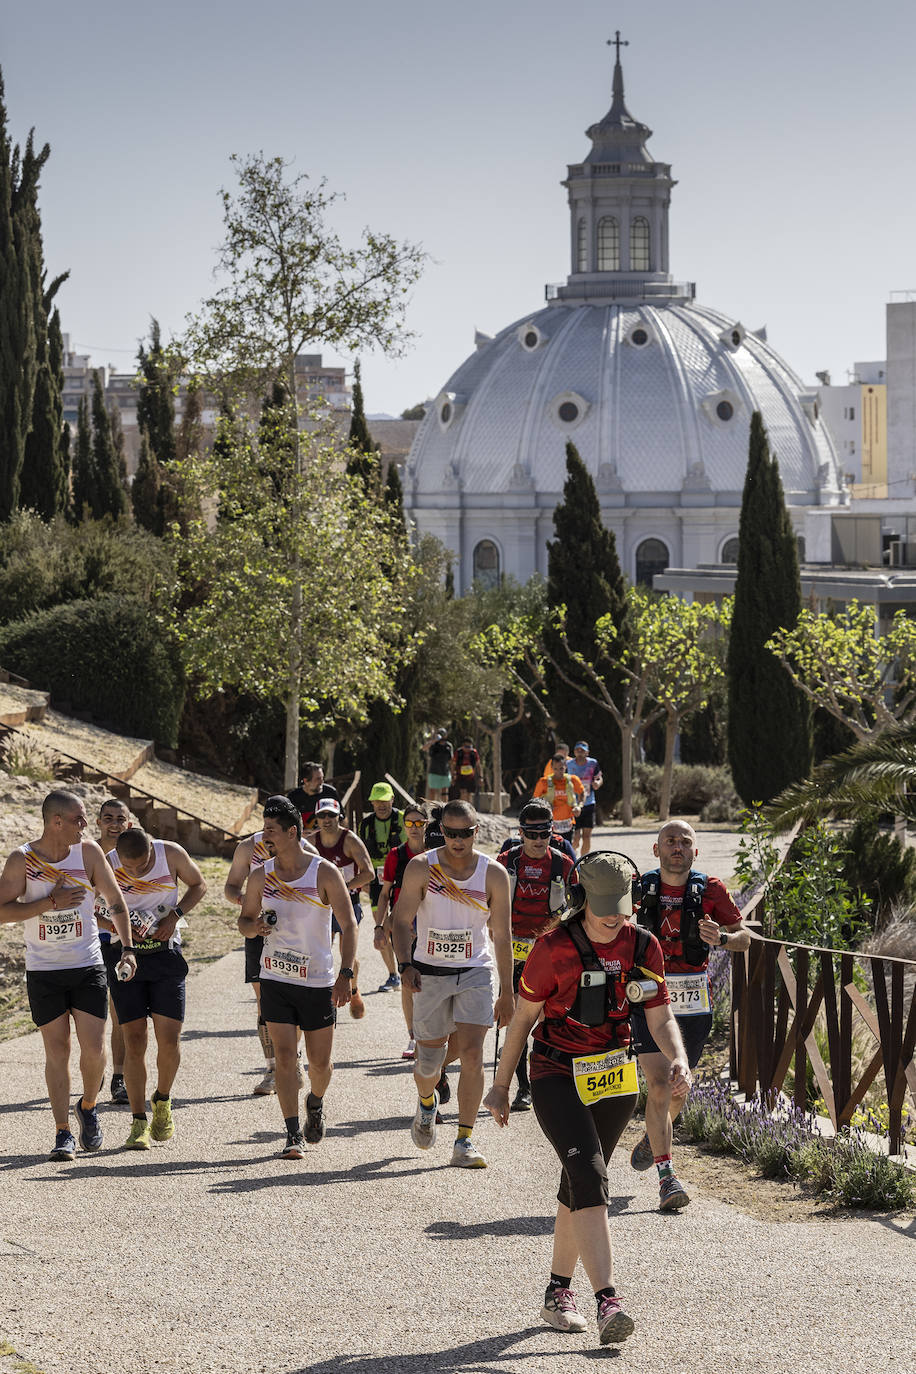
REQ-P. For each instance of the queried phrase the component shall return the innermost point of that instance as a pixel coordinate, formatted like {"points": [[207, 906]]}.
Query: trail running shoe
{"points": [[391, 983], [641, 1156], [163, 1127], [266, 1086], [444, 1089], [357, 1006], [423, 1126], [139, 1138], [409, 1050], [560, 1310], [314, 1123], [64, 1147], [295, 1146], [521, 1102], [613, 1323], [90, 1130], [118, 1090], [465, 1155], [671, 1194]]}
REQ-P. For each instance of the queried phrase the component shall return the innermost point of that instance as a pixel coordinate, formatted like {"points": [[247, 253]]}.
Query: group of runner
{"points": [[466, 936]]}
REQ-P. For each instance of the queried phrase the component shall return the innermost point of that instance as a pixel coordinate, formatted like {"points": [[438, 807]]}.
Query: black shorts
{"points": [[111, 957], [375, 891], [157, 988], [583, 1137], [288, 1005], [586, 817], [54, 992], [253, 947], [694, 1033]]}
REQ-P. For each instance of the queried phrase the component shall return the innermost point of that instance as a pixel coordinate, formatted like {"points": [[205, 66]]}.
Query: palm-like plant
{"points": [[872, 777]]}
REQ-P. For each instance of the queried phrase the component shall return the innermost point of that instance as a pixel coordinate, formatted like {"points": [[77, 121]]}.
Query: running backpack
{"points": [[557, 898], [695, 950]]}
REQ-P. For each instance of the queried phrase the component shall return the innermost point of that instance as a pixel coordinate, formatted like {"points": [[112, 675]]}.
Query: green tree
{"points": [[145, 490], [874, 777], [416, 412], [362, 459], [769, 721], [110, 496], [289, 283], [85, 499], [156, 381], [45, 471]]}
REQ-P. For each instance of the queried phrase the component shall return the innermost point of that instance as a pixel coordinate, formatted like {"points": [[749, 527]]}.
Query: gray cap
{"points": [[608, 883]]}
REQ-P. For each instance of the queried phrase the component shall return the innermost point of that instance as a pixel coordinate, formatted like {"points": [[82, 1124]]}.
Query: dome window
{"points": [[725, 410], [449, 407], [608, 244], [582, 246], [529, 336], [733, 337], [722, 407], [639, 337], [568, 412], [729, 552], [568, 409], [445, 414], [639, 244]]}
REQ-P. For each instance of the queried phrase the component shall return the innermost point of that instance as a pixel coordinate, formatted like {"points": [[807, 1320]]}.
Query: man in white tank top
{"points": [[289, 902], [49, 884], [459, 897], [149, 872]]}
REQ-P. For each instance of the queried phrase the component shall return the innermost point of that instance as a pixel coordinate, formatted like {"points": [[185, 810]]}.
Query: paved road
{"points": [[212, 1254]]}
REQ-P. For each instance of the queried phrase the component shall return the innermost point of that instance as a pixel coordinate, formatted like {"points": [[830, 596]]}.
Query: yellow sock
{"points": [[464, 1132], [428, 1102]]}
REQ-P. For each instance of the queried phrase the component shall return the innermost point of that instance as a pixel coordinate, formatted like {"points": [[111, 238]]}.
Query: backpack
{"points": [[695, 950], [556, 900], [592, 964], [466, 761]]}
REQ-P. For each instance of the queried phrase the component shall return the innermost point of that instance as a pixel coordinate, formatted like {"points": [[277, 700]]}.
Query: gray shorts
{"points": [[458, 998]]}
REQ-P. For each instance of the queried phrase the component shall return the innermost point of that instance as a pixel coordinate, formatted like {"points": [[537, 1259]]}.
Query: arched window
{"points": [[729, 551], [486, 564], [651, 558], [639, 244], [608, 245], [582, 246]]}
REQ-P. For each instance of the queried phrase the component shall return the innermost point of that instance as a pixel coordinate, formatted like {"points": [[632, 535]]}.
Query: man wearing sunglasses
{"points": [[458, 897]]}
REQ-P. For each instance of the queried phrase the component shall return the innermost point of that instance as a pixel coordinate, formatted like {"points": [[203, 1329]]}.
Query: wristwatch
{"points": [[723, 937], [346, 973], [402, 966]]}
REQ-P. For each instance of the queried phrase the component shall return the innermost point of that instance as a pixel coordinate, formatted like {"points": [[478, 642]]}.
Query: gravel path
{"points": [[212, 1254]]}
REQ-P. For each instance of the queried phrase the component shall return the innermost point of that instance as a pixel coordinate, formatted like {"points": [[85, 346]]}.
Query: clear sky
{"points": [[789, 127]]}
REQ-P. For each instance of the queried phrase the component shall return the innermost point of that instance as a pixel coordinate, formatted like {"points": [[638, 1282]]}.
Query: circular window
{"points": [[725, 410], [736, 337], [640, 338], [568, 412], [445, 414], [531, 339]]}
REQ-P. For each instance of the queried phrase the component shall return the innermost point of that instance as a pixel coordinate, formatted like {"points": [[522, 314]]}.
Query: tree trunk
{"points": [[293, 688], [497, 747], [626, 775], [664, 802]]}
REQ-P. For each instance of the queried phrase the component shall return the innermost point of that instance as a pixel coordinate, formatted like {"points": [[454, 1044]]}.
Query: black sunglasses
{"points": [[536, 832], [466, 833]]}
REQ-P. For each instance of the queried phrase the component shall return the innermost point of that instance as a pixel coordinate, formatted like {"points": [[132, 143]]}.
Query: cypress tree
{"points": [[362, 461], [45, 478], [111, 499], [156, 397], [85, 495], [769, 721], [117, 442], [583, 573], [146, 489]]}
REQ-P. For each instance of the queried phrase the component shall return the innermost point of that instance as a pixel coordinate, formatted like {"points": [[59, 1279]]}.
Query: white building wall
{"points": [[901, 398]]}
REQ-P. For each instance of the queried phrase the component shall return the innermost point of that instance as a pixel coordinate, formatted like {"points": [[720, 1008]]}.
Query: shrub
{"points": [[26, 758], [109, 657], [880, 869], [695, 790]]}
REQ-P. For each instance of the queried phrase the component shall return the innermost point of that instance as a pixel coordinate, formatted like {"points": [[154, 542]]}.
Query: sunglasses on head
{"points": [[464, 833]]}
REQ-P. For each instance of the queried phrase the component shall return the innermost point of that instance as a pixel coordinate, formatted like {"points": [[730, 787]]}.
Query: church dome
{"points": [[655, 390]]}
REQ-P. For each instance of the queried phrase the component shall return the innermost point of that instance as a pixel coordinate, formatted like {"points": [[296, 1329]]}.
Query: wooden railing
{"points": [[773, 1016]]}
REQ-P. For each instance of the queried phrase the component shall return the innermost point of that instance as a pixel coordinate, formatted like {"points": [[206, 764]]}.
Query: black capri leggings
{"points": [[583, 1137]]}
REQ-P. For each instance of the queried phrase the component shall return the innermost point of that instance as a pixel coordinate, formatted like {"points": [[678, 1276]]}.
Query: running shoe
{"points": [[314, 1123], [410, 1050], [641, 1156], [163, 1127], [443, 1089], [295, 1146], [671, 1194], [423, 1126], [90, 1130], [300, 1071], [391, 983], [118, 1090], [357, 1006], [64, 1147], [139, 1138], [465, 1155], [560, 1310], [613, 1323], [521, 1102], [266, 1086]]}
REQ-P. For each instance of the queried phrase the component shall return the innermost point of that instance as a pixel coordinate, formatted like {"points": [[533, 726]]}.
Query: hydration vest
{"points": [[556, 899], [592, 964], [466, 759], [695, 951], [571, 799]]}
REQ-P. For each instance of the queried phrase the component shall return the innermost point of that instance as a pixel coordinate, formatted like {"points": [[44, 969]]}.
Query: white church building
{"points": [[655, 390]]}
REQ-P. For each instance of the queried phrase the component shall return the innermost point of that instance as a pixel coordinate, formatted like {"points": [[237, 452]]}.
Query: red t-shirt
{"points": [[551, 975], [717, 903], [531, 899], [395, 859]]}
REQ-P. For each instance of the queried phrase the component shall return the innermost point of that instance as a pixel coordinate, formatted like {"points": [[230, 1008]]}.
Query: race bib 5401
{"points": [[604, 1075]]}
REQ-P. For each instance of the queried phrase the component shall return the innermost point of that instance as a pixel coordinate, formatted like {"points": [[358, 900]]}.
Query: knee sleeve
{"points": [[267, 1045], [429, 1060]]}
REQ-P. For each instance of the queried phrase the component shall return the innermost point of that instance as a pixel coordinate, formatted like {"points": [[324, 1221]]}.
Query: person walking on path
{"points": [[311, 791], [563, 793], [457, 896], [49, 885], [690, 914], [346, 852], [289, 902], [415, 821], [439, 753], [588, 771], [583, 1083], [113, 819], [149, 873], [466, 771], [381, 831]]}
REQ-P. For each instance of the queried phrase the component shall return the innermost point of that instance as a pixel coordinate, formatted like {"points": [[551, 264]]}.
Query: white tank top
{"points": [[452, 919], [149, 898], [259, 853], [298, 948], [60, 939]]}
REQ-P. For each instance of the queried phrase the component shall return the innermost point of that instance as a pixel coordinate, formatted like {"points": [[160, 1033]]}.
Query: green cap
{"points": [[381, 792], [608, 883]]}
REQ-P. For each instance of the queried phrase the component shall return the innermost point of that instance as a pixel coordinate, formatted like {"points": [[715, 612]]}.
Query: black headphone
{"points": [[576, 895]]}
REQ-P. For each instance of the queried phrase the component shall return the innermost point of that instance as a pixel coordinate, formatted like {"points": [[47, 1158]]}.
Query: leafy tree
{"points": [[45, 471], [769, 723], [110, 497], [288, 282], [414, 412], [872, 778], [86, 499]]}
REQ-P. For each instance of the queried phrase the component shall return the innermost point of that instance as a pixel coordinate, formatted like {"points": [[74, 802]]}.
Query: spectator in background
{"points": [[588, 771], [306, 798], [439, 754], [466, 771]]}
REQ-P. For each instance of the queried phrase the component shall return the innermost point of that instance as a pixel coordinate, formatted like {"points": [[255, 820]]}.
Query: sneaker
{"points": [[465, 1155], [314, 1123], [90, 1130], [266, 1085], [64, 1147], [443, 1089], [139, 1138], [613, 1323], [641, 1156], [118, 1090], [391, 983], [671, 1194], [357, 1006], [295, 1146], [410, 1050], [521, 1102], [423, 1126], [560, 1310], [300, 1071], [163, 1127]]}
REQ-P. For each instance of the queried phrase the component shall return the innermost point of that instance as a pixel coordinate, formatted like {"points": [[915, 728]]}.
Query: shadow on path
{"points": [[296, 1178], [505, 1226], [493, 1355]]}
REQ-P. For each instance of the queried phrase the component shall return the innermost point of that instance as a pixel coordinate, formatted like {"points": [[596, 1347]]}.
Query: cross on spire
{"points": [[618, 43]]}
